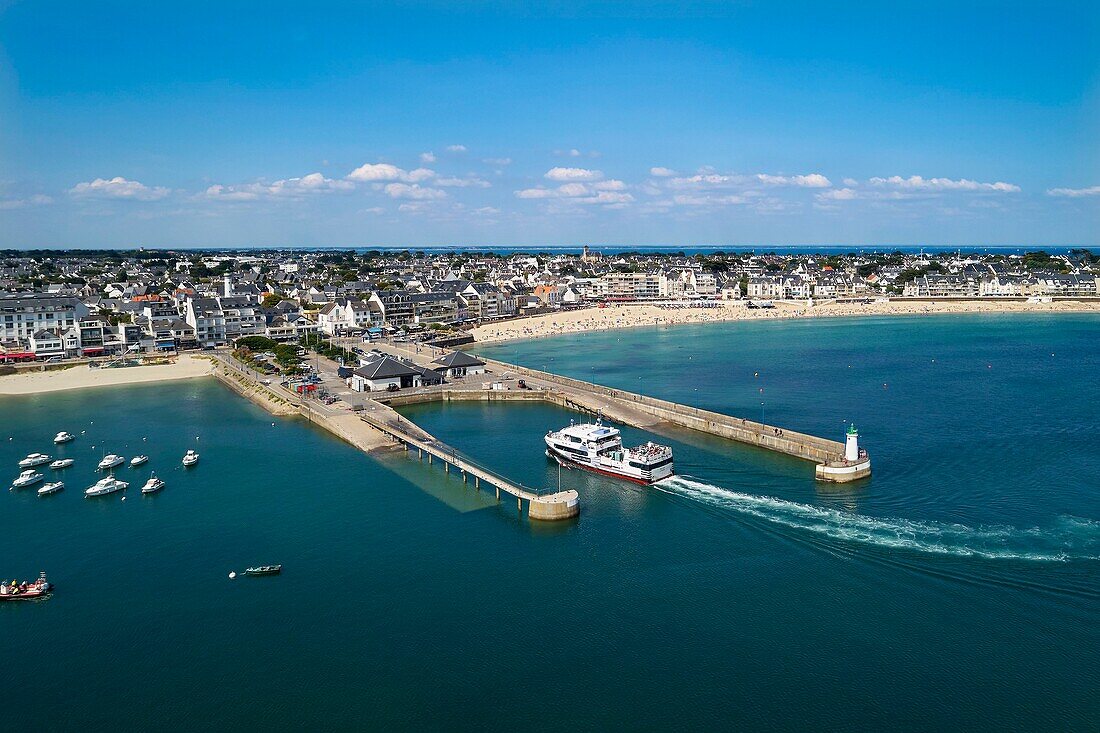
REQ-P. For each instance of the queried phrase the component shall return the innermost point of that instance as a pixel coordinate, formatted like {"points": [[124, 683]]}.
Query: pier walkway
{"points": [[541, 505]]}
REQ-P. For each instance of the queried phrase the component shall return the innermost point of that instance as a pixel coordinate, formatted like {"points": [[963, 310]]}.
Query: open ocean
{"points": [[958, 588]]}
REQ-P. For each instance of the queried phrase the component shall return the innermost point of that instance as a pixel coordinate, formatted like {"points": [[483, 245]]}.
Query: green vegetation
{"points": [[328, 349], [256, 343]]}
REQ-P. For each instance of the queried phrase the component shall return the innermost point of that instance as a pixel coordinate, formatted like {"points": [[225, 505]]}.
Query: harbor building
{"points": [[456, 364]]}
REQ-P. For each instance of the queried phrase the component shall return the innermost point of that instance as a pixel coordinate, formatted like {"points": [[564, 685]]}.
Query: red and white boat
{"points": [[16, 591], [599, 448]]}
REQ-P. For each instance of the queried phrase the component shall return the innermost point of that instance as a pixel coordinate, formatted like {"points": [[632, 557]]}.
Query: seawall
{"points": [[770, 437]]}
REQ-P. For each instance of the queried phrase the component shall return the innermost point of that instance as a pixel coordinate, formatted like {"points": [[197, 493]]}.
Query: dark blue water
{"points": [[958, 588]]}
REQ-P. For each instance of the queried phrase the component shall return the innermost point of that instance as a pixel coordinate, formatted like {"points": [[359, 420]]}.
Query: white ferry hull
{"points": [[644, 478]]}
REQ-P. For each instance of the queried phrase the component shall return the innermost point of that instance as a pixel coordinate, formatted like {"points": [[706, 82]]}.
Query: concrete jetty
{"points": [[553, 506], [835, 461]]}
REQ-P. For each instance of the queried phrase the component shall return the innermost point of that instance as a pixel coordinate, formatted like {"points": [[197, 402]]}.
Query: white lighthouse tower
{"points": [[851, 445]]}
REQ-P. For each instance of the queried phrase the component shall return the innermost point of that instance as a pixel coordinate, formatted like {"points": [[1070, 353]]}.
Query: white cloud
{"points": [[573, 174], [811, 180], [707, 200], [118, 188], [314, 183], [536, 193], [838, 194], [705, 180], [36, 200], [413, 191], [456, 148], [607, 197], [485, 211], [604, 193], [917, 183], [386, 172], [428, 157], [851, 182], [661, 172], [1075, 192], [498, 161], [573, 189], [469, 182]]}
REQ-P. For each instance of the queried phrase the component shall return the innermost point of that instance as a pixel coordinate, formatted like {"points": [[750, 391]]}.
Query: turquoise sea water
{"points": [[958, 588]]}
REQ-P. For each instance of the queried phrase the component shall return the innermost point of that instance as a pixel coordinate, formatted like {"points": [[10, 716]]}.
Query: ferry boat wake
{"points": [[599, 448]]}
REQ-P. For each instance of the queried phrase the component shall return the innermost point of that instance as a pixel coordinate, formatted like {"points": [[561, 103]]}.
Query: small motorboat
{"points": [[153, 485], [138, 460], [29, 477], [191, 458], [63, 437], [264, 570], [16, 591], [106, 485], [110, 461], [51, 488], [34, 459], [61, 463]]}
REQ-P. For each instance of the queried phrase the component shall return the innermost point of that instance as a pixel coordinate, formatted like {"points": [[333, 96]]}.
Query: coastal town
{"points": [[58, 306]]}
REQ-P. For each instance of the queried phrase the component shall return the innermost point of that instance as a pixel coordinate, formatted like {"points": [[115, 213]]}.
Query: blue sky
{"points": [[348, 124]]}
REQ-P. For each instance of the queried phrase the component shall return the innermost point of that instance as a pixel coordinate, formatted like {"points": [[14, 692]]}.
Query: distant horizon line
{"points": [[578, 247]]}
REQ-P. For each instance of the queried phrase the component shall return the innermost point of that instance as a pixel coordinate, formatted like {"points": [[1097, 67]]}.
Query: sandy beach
{"points": [[82, 377], [632, 316]]}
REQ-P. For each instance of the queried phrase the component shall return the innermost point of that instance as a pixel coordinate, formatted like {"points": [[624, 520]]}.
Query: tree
{"points": [[256, 343], [286, 355], [271, 300]]}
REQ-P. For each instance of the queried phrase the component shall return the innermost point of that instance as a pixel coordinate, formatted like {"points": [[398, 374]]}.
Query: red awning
{"points": [[92, 350], [18, 355]]}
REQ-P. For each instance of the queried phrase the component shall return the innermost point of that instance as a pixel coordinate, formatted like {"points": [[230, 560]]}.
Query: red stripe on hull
{"points": [[603, 472]]}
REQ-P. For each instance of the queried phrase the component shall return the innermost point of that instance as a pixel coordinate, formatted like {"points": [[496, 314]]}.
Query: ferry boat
{"points": [[63, 437], [110, 461], [34, 459], [30, 477], [16, 591], [106, 485], [599, 448], [51, 488], [191, 458], [138, 460], [153, 485], [61, 463]]}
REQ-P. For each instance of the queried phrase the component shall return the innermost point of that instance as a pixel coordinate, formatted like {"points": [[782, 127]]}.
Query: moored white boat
{"points": [[106, 485], [34, 459], [191, 458], [61, 463], [29, 477], [110, 461], [51, 488], [599, 448], [138, 460], [63, 437], [153, 485]]}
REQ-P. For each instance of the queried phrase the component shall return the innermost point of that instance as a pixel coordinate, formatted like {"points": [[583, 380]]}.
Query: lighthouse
{"points": [[851, 445]]}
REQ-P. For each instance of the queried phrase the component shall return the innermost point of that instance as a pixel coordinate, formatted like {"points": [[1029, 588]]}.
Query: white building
{"points": [[21, 316]]}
